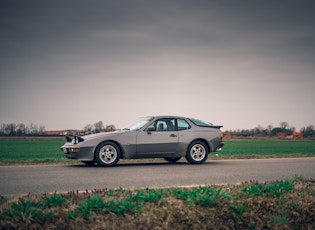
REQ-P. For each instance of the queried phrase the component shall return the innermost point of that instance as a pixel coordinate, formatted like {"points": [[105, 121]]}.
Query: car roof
{"points": [[168, 116]]}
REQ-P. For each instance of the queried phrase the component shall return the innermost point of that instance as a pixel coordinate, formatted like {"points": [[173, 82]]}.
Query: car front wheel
{"points": [[107, 154], [197, 152]]}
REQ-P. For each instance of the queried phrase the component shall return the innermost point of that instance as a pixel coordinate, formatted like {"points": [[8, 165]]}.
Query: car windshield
{"points": [[138, 124], [200, 123]]}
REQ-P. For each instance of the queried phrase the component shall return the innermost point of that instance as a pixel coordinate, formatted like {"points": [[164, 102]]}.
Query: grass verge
{"points": [[288, 204]]}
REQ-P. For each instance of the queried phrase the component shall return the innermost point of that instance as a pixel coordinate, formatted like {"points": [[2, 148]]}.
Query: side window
{"points": [[160, 126], [182, 124], [163, 125]]}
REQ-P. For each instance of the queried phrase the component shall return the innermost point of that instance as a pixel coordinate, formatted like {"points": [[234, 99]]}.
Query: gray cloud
{"points": [[205, 59]]}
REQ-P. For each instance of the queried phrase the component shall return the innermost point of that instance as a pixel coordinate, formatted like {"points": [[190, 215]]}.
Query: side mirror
{"points": [[150, 129]]}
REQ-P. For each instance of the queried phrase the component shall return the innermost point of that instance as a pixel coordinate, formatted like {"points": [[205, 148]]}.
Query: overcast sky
{"points": [[240, 64]]}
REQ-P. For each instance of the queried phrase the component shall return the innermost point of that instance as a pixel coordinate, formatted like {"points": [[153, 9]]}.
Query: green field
{"points": [[48, 150], [31, 150], [270, 148]]}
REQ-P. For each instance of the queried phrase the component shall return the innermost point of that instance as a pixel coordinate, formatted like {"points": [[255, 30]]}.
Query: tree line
{"points": [[13, 129], [285, 128], [20, 129], [97, 128]]}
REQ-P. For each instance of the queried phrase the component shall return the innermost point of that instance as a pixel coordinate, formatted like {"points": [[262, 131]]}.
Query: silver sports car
{"points": [[167, 137]]}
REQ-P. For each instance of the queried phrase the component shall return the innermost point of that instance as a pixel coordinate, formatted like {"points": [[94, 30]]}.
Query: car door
{"points": [[160, 138]]}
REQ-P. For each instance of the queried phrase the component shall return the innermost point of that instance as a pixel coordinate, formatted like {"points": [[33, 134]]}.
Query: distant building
{"points": [[55, 132]]}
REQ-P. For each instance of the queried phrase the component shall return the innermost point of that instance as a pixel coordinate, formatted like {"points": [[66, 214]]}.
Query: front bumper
{"points": [[78, 153]]}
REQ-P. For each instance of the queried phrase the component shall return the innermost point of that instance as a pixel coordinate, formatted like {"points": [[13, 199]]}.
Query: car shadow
{"points": [[146, 163]]}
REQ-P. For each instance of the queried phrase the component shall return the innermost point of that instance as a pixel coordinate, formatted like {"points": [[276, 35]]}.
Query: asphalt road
{"points": [[67, 177]]}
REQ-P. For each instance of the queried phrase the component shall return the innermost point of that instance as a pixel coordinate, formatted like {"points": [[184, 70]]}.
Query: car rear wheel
{"points": [[197, 152], [107, 154], [172, 160]]}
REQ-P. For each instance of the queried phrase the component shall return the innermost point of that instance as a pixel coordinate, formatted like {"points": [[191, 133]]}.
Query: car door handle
{"points": [[173, 135]]}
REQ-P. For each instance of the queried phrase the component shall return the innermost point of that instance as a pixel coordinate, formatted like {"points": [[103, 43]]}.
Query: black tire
{"points": [[197, 152], [172, 160], [107, 154]]}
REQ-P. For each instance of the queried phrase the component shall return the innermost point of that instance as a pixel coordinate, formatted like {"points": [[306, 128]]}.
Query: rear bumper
{"points": [[220, 147]]}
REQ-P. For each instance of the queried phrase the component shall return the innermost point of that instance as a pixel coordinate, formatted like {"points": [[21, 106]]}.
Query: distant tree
{"points": [[284, 124], [5, 129], [269, 128], [308, 131], [88, 128], [11, 129], [2, 129], [246, 133], [33, 129], [259, 130], [41, 129], [110, 128], [98, 126], [21, 129]]}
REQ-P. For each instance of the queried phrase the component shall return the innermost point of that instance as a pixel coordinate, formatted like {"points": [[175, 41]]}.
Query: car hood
{"points": [[105, 134]]}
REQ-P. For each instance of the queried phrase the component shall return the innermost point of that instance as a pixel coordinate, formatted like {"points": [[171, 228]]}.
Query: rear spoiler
{"points": [[77, 139], [217, 126]]}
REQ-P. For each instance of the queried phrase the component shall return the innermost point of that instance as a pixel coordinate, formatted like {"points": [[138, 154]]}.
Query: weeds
{"points": [[123, 207], [280, 204], [93, 204], [115, 192], [239, 208], [131, 203], [54, 201], [204, 196], [273, 189], [148, 195], [28, 211]]}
